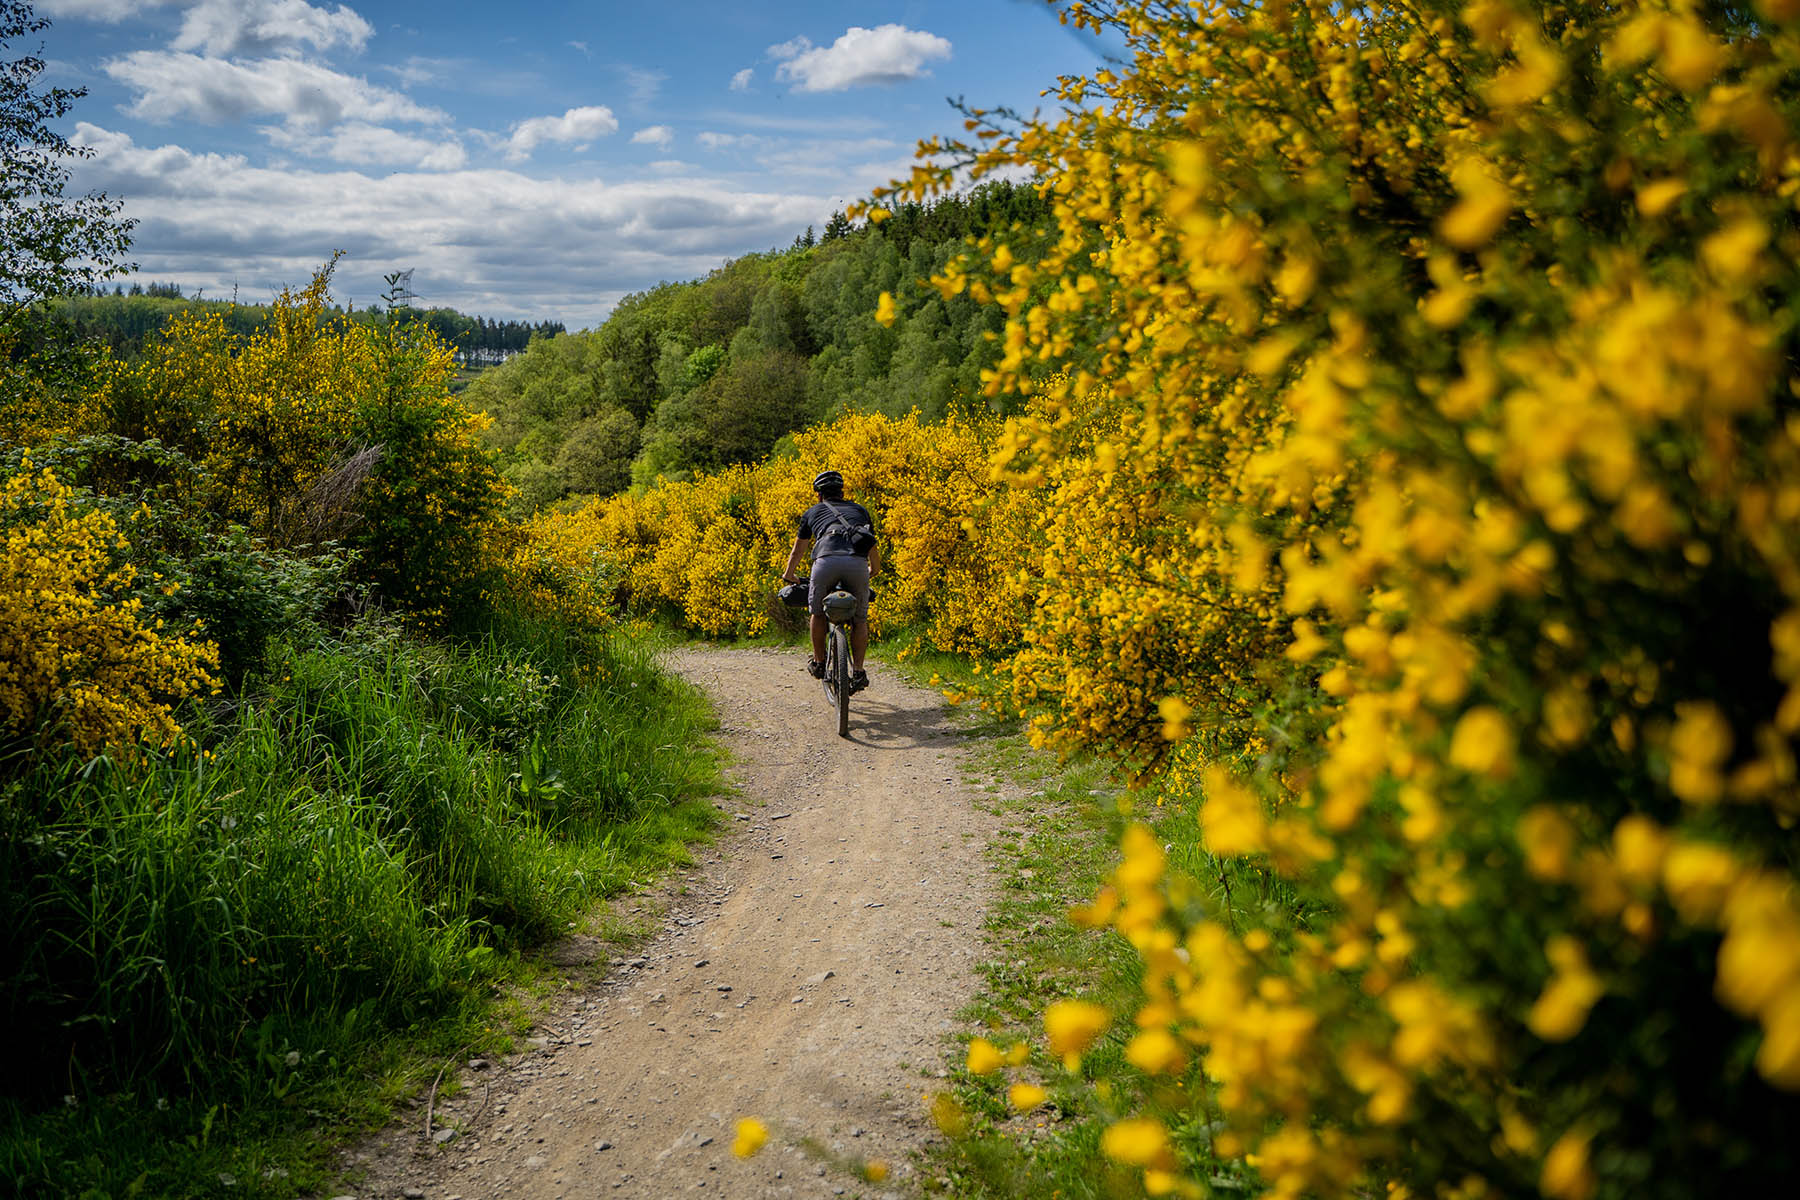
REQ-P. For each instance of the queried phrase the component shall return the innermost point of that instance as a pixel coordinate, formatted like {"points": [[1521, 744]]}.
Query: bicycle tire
{"points": [[840, 677], [829, 674]]}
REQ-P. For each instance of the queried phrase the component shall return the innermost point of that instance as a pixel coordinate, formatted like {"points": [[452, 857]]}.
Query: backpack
{"points": [[862, 537]]}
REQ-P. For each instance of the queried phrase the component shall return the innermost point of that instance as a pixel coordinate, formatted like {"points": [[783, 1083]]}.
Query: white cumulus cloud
{"points": [[235, 27], [171, 84], [97, 10], [260, 27], [885, 54], [577, 126], [719, 141], [740, 82], [371, 145], [510, 245], [653, 135]]}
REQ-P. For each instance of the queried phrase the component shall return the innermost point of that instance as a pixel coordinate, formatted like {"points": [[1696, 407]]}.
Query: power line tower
{"points": [[399, 292]]}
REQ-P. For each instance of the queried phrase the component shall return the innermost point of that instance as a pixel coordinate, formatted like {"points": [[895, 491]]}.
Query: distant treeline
{"points": [[126, 317], [693, 376]]}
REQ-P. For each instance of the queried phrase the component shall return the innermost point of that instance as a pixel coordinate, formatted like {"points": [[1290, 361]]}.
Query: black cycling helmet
{"points": [[828, 483]]}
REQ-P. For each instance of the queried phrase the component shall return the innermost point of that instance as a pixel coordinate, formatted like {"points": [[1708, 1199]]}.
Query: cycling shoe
{"points": [[815, 669], [859, 681]]}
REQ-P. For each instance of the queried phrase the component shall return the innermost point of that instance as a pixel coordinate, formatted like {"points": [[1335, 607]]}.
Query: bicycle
{"points": [[840, 610]]}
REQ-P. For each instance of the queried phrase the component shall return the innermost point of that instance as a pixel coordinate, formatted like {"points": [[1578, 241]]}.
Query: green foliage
{"points": [[360, 848], [596, 456], [745, 408], [127, 324], [429, 509], [129, 321], [49, 242], [717, 371]]}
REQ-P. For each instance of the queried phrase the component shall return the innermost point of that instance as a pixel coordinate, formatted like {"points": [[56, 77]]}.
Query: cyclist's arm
{"points": [[801, 545], [874, 559]]}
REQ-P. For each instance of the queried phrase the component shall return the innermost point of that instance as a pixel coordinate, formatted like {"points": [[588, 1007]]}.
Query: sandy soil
{"points": [[806, 972]]}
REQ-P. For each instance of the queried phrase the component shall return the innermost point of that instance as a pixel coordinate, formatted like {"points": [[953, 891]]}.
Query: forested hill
{"points": [[124, 322], [693, 376]]}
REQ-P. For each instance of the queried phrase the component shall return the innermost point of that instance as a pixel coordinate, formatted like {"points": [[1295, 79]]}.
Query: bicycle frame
{"points": [[837, 656]]}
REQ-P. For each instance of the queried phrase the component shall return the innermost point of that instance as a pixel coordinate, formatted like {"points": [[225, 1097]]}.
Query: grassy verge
{"points": [[1063, 820], [213, 957]]}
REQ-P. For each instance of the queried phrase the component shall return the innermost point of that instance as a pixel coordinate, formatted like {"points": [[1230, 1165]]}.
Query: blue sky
{"points": [[527, 160]]}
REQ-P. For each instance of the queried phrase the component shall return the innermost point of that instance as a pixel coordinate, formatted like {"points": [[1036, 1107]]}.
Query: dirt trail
{"points": [[805, 974]]}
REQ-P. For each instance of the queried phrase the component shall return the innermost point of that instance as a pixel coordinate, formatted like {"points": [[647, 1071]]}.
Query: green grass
{"points": [[212, 957], [1058, 846]]}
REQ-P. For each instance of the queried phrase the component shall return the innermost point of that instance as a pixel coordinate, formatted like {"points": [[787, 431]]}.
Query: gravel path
{"points": [[806, 973]]}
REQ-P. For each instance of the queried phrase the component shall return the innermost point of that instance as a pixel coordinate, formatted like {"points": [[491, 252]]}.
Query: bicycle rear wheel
{"points": [[838, 667]]}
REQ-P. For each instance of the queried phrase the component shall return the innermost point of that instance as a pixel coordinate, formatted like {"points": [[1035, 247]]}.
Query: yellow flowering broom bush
{"points": [[709, 550], [79, 663], [1441, 550], [273, 419], [1409, 488]]}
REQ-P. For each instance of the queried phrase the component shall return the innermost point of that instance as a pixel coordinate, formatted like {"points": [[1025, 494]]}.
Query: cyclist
{"points": [[841, 535]]}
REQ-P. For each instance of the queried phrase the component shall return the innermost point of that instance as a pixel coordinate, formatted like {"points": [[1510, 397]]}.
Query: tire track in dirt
{"points": [[804, 974]]}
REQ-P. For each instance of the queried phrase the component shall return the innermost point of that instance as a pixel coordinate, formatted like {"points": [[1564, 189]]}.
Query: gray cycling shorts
{"points": [[850, 571]]}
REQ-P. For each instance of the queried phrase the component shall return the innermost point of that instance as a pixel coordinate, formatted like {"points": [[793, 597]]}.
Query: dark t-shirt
{"points": [[829, 534]]}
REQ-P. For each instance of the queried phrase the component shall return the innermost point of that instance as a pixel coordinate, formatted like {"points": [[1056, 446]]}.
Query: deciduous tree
{"points": [[50, 242]]}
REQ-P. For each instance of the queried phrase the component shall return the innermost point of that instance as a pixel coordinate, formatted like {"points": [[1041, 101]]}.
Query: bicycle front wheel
{"points": [[839, 668]]}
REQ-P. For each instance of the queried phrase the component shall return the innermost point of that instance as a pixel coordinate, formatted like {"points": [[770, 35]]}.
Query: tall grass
{"points": [[358, 848]]}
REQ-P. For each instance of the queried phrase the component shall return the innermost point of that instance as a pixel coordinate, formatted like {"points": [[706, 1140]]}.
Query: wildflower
{"points": [[1388, 1088], [1155, 1052], [751, 1134], [1072, 1026], [1175, 713], [1548, 840], [1759, 959], [1562, 1009], [984, 1057], [949, 1116], [1483, 743], [1654, 199], [1231, 817], [1699, 745], [1483, 207], [1638, 848], [1567, 1174], [1026, 1096], [1136, 1141], [1307, 643], [1778, 1058], [1698, 876]]}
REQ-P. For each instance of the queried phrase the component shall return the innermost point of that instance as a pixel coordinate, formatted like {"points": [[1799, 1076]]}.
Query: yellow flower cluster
{"points": [[267, 417], [78, 664], [34, 409], [555, 572], [272, 416], [1411, 436], [710, 549], [1407, 486]]}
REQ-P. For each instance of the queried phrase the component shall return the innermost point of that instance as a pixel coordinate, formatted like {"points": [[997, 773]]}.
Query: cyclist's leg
{"points": [[851, 573], [855, 580], [818, 584]]}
